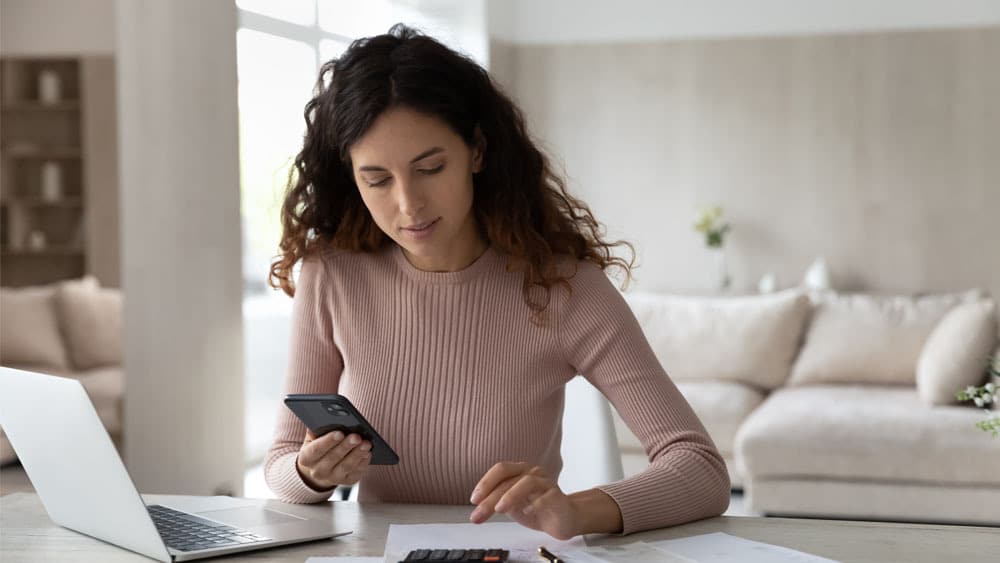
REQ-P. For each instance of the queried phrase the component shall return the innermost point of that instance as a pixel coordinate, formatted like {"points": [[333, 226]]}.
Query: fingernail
{"points": [[338, 436], [529, 509], [365, 447], [476, 514], [474, 499], [354, 439]]}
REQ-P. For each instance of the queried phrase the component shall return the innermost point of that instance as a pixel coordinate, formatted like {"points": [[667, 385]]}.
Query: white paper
{"points": [[638, 552], [344, 560], [523, 543], [724, 548]]}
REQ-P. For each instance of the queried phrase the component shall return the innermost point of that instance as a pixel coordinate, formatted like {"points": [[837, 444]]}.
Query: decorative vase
{"points": [[768, 283], [36, 240], [817, 277], [723, 279], [49, 87], [51, 182]]}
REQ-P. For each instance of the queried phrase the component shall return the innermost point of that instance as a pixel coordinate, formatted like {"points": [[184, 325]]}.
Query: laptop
{"points": [[84, 486]]}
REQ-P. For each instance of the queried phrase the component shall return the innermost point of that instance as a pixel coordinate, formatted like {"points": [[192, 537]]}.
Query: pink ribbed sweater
{"points": [[455, 377]]}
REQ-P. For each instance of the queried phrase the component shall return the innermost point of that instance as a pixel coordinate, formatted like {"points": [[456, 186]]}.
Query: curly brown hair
{"points": [[520, 204]]}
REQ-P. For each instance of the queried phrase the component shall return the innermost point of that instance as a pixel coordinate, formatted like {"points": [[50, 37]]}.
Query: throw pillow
{"points": [[957, 352], [29, 328], [750, 339], [91, 318], [868, 338]]}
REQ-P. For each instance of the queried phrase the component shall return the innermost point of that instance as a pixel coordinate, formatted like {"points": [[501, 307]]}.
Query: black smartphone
{"points": [[326, 413]]}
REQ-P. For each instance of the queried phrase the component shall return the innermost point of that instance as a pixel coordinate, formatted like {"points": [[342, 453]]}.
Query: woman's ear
{"points": [[478, 150]]}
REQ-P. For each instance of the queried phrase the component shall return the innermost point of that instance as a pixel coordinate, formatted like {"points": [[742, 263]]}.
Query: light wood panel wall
{"points": [[879, 151]]}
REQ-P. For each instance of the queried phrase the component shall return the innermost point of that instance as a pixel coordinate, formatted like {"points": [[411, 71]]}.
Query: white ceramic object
{"points": [[768, 283], [51, 190], [49, 87], [818, 276], [36, 240]]}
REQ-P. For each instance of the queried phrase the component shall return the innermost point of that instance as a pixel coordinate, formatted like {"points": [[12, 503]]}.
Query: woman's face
{"points": [[415, 176]]}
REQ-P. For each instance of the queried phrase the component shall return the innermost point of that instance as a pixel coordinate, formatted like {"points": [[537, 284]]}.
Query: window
{"points": [[279, 50], [280, 47]]}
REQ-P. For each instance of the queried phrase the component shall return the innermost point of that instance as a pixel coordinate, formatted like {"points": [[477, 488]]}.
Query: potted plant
{"points": [[711, 225], [986, 396]]}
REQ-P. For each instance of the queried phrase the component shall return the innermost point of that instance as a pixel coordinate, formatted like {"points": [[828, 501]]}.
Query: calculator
{"points": [[453, 555]]}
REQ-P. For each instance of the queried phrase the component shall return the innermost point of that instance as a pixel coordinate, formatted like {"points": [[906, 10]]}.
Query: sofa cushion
{"points": [[957, 352], [29, 328], [865, 432], [750, 339], [91, 318], [868, 338], [722, 407]]}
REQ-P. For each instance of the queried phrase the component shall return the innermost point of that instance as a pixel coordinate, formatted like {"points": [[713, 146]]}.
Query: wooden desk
{"points": [[27, 534]]}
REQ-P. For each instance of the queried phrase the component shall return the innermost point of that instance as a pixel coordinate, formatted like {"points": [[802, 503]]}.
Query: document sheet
{"points": [[724, 548]]}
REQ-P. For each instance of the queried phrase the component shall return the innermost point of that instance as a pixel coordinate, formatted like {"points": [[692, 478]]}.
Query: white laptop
{"points": [[82, 482]]}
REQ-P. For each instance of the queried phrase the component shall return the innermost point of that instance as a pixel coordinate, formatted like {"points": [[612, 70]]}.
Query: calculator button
{"points": [[475, 554], [438, 554], [455, 555], [418, 555]]}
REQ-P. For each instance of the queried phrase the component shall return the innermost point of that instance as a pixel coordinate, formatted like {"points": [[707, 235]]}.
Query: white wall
{"points": [[876, 150], [57, 27], [573, 21], [181, 245]]}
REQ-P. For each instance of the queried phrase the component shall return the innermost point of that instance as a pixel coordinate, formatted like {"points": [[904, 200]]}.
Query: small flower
{"points": [[987, 398], [990, 387], [978, 401], [970, 391]]}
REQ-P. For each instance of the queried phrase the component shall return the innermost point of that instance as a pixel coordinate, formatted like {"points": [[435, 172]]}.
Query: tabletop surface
{"points": [[27, 534]]}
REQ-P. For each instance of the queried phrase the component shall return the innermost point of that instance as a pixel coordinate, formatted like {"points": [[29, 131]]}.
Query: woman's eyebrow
{"points": [[421, 156]]}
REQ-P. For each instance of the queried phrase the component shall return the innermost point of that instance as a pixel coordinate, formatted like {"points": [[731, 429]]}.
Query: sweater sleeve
{"points": [[315, 366], [686, 478]]}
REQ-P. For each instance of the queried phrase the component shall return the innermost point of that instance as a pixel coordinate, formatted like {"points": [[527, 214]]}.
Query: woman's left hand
{"points": [[527, 495]]}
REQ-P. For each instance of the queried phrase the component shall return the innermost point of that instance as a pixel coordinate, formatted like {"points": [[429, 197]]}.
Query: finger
{"points": [[355, 476], [496, 475], [312, 452], [336, 454], [486, 507], [351, 461], [517, 497], [535, 503]]}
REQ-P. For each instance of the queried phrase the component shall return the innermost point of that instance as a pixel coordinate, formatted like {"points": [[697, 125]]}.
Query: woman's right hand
{"points": [[333, 459]]}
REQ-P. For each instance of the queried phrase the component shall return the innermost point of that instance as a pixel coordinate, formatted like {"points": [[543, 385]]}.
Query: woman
{"points": [[450, 287]]}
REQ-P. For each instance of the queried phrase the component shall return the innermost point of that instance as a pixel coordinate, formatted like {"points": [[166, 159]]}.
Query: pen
{"points": [[548, 555]]}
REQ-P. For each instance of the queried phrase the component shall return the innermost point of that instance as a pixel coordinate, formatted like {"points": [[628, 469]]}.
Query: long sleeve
{"points": [[315, 366], [451, 370], [687, 478]]}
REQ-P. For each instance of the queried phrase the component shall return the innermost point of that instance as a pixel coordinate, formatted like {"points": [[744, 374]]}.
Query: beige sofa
{"points": [[70, 329], [838, 405]]}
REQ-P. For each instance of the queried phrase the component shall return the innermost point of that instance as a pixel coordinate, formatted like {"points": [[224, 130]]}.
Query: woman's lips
{"points": [[421, 230]]}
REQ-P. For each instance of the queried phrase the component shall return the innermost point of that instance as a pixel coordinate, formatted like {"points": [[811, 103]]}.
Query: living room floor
{"points": [[13, 480]]}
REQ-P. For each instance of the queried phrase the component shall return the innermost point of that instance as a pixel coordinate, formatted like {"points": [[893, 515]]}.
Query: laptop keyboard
{"points": [[187, 532]]}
